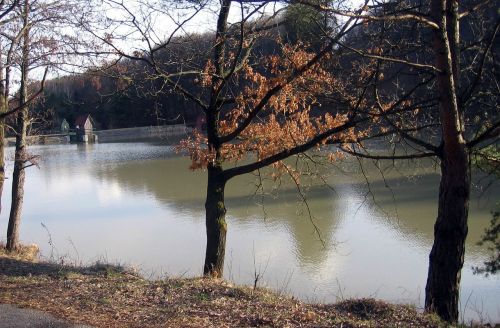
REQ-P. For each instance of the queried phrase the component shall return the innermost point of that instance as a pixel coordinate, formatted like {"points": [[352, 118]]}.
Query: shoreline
{"points": [[103, 295]]}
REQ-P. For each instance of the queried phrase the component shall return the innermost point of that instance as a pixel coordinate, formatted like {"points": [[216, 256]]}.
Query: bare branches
{"points": [[492, 132], [29, 101], [390, 59], [303, 198], [483, 56], [474, 8], [8, 9]]}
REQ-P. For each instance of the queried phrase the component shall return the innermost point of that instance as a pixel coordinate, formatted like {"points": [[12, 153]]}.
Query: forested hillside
{"points": [[129, 94]]}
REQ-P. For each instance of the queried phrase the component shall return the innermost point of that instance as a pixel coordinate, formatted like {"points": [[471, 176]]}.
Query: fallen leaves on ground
{"points": [[107, 296]]}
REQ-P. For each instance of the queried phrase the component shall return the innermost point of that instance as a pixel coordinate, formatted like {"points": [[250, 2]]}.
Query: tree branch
{"points": [[29, 101], [239, 170], [473, 8], [394, 60], [387, 157], [468, 94], [9, 9], [492, 132]]}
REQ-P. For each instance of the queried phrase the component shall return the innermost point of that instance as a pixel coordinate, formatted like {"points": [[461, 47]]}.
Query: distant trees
{"points": [[303, 23], [112, 103], [143, 100]]}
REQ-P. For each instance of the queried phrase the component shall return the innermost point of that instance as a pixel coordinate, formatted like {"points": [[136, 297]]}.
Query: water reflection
{"points": [[138, 203]]}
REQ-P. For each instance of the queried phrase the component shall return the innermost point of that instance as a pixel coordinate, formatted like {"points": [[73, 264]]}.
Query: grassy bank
{"points": [[109, 296]]}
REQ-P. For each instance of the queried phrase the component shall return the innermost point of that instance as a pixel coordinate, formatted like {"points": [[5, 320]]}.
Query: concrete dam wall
{"points": [[170, 133], [166, 132]]}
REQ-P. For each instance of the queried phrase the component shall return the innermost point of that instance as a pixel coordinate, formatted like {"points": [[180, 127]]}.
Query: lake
{"points": [[138, 204]]}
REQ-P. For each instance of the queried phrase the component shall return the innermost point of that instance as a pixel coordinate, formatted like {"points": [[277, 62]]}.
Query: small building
{"points": [[84, 124], [84, 127], [64, 126]]}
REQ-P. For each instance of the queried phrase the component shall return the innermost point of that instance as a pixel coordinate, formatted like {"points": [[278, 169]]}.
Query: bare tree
{"points": [[21, 153], [452, 116], [38, 41]]}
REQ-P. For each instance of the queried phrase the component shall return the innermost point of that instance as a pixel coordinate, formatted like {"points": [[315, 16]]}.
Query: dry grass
{"points": [[106, 296], [23, 253]]}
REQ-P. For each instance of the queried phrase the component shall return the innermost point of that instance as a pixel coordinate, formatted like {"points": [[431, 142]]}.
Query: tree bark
{"points": [[214, 205], [450, 231], [3, 109], [18, 177], [2, 146], [215, 223], [2, 160]]}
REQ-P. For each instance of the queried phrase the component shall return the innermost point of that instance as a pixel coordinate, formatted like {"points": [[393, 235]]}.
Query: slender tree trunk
{"points": [[2, 159], [18, 174], [3, 109], [450, 231], [18, 177], [215, 223]]}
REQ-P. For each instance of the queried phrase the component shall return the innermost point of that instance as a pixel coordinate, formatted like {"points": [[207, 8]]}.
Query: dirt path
{"points": [[14, 317]]}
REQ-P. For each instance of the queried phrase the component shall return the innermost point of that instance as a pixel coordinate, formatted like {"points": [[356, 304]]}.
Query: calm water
{"points": [[138, 204]]}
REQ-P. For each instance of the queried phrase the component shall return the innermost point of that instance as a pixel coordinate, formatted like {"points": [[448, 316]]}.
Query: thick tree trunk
{"points": [[450, 231], [215, 223]]}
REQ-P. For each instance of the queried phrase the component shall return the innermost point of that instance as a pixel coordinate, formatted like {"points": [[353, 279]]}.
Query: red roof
{"points": [[80, 120]]}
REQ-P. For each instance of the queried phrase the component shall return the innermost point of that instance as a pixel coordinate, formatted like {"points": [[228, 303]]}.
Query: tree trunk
{"points": [[215, 223], [214, 206], [2, 159], [3, 109], [450, 231], [17, 184]]}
